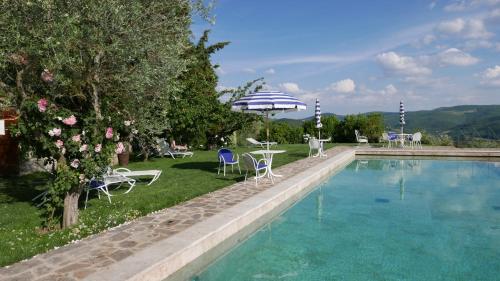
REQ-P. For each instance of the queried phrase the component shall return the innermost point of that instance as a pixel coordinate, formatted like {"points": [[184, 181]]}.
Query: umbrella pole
{"points": [[267, 129]]}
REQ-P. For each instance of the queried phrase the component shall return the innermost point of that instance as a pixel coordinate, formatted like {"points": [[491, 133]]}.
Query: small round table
{"points": [[268, 155]]}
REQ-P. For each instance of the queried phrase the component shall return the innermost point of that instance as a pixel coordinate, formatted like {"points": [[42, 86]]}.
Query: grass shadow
{"points": [[22, 188], [204, 166]]}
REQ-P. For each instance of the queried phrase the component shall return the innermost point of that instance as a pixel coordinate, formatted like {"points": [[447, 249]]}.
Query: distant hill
{"points": [[482, 121]]}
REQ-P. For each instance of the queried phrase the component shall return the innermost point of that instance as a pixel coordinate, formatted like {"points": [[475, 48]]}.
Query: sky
{"points": [[361, 56]]}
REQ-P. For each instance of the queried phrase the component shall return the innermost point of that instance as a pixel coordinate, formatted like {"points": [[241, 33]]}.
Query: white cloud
{"points": [[290, 87], [270, 71], [220, 71], [456, 57], [491, 76], [462, 5], [456, 6], [471, 29], [477, 44], [497, 47], [249, 70], [432, 5], [343, 86], [390, 90], [452, 26], [394, 63]]}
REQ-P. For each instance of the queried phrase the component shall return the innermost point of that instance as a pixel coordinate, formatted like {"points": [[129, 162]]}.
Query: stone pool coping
{"points": [[157, 245]]}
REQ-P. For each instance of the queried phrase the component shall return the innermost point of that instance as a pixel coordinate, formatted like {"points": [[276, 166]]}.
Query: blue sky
{"points": [[359, 56]]}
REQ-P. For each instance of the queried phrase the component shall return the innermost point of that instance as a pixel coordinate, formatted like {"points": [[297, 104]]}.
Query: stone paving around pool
{"points": [[79, 260]]}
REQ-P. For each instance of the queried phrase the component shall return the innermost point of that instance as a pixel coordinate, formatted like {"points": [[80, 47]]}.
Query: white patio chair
{"points": [[360, 138], [389, 139], [260, 143], [416, 140], [226, 157], [166, 150], [259, 167], [155, 174], [314, 144]]}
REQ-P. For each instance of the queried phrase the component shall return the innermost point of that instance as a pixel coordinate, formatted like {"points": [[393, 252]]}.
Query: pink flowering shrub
{"points": [[81, 150], [109, 133], [42, 105], [70, 121]]}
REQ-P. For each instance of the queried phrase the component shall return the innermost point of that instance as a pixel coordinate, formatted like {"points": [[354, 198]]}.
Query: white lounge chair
{"points": [[101, 185], [155, 174], [416, 140], [261, 143], [360, 138], [165, 150], [259, 167]]}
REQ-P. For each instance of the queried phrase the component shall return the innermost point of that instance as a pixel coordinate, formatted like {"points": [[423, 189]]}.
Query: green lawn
{"points": [[181, 180]]}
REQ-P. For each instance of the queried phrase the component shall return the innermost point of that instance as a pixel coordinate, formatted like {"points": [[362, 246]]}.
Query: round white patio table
{"points": [[402, 138], [268, 155]]}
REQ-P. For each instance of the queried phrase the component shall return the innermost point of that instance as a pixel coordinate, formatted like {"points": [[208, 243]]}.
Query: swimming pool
{"points": [[381, 220]]}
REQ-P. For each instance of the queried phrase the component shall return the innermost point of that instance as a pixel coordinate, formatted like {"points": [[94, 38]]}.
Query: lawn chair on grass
{"points": [[226, 157], [155, 174], [164, 149], [259, 167], [262, 144], [102, 185]]}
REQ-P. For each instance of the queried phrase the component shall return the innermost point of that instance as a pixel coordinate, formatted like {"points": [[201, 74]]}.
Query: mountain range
{"points": [[478, 121]]}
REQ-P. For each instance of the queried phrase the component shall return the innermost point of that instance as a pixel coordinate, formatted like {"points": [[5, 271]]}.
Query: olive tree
{"points": [[77, 71]]}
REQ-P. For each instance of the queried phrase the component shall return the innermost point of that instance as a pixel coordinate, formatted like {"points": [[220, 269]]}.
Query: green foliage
{"points": [[197, 114], [330, 124], [282, 133]]}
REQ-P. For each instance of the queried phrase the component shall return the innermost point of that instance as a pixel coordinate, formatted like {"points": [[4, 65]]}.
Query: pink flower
{"points": [[84, 148], [98, 148], [109, 133], [76, 138], [120, 148], [70, 120], [59, 144], [42, 105], [75, 163]]}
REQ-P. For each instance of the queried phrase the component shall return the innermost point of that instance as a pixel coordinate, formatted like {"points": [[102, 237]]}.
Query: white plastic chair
{"points": [[259, 167], [416, 140], [314, 144], [360, 138]]}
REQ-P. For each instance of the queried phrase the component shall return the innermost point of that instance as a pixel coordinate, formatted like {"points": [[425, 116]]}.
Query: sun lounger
{"points": [[260, 143], [155, 174]]}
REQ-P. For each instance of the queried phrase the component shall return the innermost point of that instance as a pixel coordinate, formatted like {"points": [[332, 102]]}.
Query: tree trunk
{"points": [[70, 215]]}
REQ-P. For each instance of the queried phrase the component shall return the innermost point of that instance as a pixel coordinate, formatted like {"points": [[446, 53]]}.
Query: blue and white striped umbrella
{"points": [[401, 115], [317, 114], [268, 102]]}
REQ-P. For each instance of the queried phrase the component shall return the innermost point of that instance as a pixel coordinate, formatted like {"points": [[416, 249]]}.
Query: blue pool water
{"points": [[381, 220]]}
